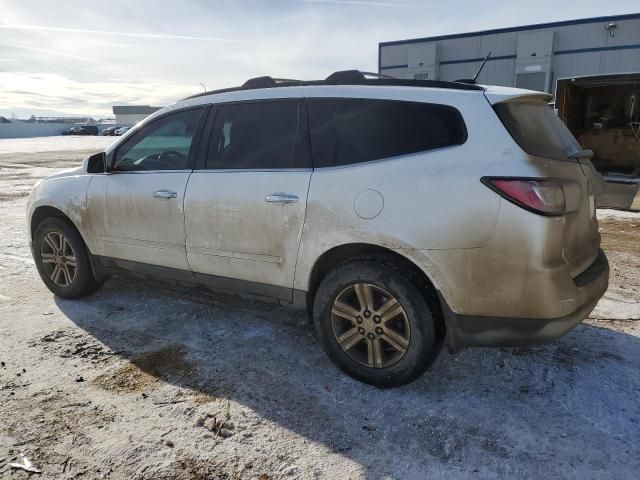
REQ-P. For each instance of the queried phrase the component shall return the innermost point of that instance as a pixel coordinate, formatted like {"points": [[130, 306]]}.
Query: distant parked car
{"points": [[121, 131], [82, 130], [72, 131], [109, 131]]}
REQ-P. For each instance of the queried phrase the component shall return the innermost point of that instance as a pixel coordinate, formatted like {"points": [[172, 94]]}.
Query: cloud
{"points": [[70, 97], [162, 36], [369, 3], [152, 52], [48, 51]]}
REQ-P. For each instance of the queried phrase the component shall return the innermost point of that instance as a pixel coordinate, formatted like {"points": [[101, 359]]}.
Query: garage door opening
{"points": [[603, 113]]}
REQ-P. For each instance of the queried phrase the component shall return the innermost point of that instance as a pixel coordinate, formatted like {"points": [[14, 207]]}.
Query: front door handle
{"points": [[164, 194], [281, 198]]}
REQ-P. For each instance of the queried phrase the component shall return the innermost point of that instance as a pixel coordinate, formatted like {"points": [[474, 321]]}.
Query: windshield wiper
{"points": [[581, 154]]}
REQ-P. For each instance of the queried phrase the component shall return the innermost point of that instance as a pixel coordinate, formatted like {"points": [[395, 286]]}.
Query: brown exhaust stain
{"points": [[146, 370]]}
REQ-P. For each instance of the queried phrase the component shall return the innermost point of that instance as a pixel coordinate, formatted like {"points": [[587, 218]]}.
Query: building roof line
{"points": [[133, 109], [632, 46], [536, 26]]}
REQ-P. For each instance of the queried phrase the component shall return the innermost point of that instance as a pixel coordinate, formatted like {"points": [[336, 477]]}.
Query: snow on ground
{"points": [[54, 144], [141, 381], [621, 214]]}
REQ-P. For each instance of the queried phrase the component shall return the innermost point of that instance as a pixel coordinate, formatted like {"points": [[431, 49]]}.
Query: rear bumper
{"points": [[468, 330]]}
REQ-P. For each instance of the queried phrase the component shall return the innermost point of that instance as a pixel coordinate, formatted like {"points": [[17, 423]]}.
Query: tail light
{"points": [[541, 196]]}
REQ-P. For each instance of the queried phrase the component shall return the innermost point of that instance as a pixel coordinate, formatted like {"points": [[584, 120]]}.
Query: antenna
{"points": [[475, 77]]}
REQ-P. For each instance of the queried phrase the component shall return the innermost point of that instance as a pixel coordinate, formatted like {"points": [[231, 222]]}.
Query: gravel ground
{"points": [[141, 381]]}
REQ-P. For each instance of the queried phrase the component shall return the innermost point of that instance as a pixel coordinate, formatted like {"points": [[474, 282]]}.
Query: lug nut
{"points": [[371, 336], [359, 319], [379, 331], [361, 330], [377, 319], [367, 313]]}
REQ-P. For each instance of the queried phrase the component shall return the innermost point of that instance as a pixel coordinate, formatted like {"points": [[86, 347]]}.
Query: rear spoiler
{"points": [[506, 95]]}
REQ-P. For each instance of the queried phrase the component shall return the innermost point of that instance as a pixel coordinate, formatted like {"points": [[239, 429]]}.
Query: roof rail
{"points": [[266, 81], [350, 76], [344, 77]]}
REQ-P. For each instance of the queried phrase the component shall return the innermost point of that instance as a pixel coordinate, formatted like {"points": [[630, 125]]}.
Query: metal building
{"points": [[591, 65], [132, 114], [532, 56]]}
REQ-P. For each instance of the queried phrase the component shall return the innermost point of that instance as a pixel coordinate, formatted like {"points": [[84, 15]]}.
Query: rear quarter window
{"points": [[348, 131], [537, 129]]}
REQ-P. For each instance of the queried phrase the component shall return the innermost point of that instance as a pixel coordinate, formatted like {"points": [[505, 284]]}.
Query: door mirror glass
{"points": [[97, 163]]}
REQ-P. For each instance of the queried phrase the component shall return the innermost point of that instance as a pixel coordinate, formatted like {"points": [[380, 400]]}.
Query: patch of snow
{"points": [[616, 307], [617, 214]]}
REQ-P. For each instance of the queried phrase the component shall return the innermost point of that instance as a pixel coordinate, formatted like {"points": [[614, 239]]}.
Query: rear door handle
{"points": [[281, 198], [164, 194]]}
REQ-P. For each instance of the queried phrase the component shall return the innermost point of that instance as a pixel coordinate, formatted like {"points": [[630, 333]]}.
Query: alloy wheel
{"points": [[58, 259], [370, 325]]}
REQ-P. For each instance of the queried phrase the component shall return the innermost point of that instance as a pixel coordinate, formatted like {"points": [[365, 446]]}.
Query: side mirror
{"points": [[97, 163]]}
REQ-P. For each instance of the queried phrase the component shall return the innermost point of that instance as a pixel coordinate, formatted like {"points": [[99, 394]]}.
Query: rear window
{"points": [[347, 131], [538, 130]]}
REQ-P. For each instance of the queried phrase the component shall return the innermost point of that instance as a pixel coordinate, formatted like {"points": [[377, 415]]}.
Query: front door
{"points": [[245, 207], [137, 210]]}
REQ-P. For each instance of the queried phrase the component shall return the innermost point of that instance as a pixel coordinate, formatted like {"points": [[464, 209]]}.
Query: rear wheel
{"points": [[374, 324], [62, 259]]}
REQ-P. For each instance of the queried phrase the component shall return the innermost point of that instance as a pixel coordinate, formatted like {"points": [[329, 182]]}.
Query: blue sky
{"points": [[82, 57]]}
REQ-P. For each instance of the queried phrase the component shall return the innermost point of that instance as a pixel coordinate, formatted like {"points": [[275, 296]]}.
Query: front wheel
{"points": [[374, 324], [62, 259]]}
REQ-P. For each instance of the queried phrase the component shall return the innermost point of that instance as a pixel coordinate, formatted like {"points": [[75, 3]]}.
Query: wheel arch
{"points": [[43, 212], [330, 259]]}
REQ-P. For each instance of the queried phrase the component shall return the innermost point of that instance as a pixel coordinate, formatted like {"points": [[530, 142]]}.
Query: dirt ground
{"points": [[141, 381]]}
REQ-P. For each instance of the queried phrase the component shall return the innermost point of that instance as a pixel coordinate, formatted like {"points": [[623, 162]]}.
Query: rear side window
{"points": [[538, 130], [256, 136], [347, 131]]}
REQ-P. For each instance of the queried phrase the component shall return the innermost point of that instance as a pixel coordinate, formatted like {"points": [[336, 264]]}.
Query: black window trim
{"points": [[465, 132], [303, 123], [193, 150]]}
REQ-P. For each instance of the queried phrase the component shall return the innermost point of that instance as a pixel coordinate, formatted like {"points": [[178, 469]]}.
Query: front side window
{"points": [[255, 135], [347, 131], [162, 145]]}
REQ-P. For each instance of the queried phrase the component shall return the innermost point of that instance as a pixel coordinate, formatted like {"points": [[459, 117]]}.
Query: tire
{"points": [[387, 365], [69, 282]]}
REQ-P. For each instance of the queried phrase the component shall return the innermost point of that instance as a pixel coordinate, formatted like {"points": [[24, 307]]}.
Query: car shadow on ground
{"points": [[486, 411]]}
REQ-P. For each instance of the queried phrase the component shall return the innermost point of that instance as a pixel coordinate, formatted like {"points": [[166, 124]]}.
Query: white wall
{"points": [[26, 130], [130, 118]]}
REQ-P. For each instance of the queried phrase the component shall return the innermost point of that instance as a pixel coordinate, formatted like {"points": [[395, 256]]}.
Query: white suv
{"points": [[402, 214]]}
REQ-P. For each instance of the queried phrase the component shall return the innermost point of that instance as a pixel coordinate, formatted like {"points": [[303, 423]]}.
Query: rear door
{"points": [[540, 132], [245, 205]]}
